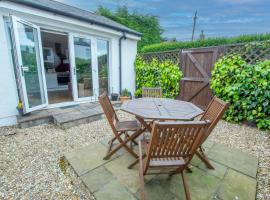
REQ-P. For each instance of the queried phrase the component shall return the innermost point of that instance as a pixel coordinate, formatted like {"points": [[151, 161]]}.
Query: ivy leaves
{"points": [[158, 74], [246, 87]]}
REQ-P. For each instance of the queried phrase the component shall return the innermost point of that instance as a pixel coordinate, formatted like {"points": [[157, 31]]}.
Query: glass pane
{"points": [[83, 67], [103, 58], [28, 39]]}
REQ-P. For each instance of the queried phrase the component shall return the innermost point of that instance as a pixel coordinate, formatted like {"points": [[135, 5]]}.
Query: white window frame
{"points": [[18, 58], [109, 63], [93, 66]]}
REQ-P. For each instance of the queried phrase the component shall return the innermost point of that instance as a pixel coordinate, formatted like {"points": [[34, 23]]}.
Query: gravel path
{"points": [[29, 158]]}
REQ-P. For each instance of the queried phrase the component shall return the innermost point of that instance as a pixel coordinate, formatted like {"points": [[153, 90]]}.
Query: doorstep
{"points": [[65, 117]]}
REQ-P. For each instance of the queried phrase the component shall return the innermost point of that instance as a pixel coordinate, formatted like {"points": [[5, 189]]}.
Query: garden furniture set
{"points": [[174, 135]]}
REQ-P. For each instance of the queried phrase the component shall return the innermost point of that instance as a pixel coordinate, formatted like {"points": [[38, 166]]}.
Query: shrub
{"points": [[166, 46], [245, 87], [146, 24], [158, 74]]}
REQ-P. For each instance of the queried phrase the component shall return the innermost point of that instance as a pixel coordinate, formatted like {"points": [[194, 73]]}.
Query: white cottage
{"points": [[54, 55]]}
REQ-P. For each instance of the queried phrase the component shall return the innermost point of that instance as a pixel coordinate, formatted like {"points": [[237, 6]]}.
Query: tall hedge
{"points": [[158, 74], [166, 46], [246, 87]]}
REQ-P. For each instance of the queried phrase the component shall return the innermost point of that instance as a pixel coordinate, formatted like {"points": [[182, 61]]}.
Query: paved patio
{"points": [[234, 176]]}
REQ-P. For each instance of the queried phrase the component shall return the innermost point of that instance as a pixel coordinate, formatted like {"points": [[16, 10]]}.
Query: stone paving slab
{"points": [[88, 158], [237, 186], [111, 179], [234, 159], [97, 178]]}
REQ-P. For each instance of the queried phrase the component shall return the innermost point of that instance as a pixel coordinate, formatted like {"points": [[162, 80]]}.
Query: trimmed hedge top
{"points": [[166, 46]]}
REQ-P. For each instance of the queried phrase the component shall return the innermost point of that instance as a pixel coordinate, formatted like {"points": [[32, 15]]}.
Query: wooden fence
{"points": [[197, 64], [173, 56]]}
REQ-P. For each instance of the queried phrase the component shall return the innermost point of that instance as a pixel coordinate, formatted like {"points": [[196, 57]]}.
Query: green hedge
{"points": [[245, 87], [166, 46], [158, 74]]}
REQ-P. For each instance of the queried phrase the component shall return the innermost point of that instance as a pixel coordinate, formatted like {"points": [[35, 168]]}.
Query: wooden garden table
{"points": [[160, 109]]}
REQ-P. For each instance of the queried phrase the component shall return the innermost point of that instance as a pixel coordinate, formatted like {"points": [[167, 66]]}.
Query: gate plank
{"points": [[194, 88]]}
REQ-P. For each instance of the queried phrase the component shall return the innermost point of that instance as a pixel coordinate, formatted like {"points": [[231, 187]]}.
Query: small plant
{"points": [[20, 107], [125, 93]]}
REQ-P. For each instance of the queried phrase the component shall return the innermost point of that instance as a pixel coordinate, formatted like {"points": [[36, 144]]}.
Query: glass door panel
{"points": [[28, 49], [103, 65], [83, 67]]}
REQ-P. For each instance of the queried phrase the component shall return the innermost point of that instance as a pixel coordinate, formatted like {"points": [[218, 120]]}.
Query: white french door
{"points": [[29, 64], [84, 67]]}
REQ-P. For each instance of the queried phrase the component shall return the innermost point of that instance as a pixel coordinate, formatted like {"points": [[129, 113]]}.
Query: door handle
{"points": [[26, 69], [22, 72]]}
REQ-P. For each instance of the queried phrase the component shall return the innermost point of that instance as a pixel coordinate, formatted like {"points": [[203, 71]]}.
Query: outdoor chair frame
{"points": [[170, 149], [214, 112], [119, 129], [152, 92]]}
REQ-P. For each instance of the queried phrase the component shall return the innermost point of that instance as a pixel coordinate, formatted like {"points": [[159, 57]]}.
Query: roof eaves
{"points": [[41, 7]]}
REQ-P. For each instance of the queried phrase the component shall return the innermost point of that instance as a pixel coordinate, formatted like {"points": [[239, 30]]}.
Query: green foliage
{"points": [[158, 74], [148, 25], [83, 69], [245, 87], [166, 46]]}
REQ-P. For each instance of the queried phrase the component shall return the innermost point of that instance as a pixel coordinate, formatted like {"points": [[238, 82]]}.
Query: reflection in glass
{"points": [[83, 67], [31, 69], [103, 59]]}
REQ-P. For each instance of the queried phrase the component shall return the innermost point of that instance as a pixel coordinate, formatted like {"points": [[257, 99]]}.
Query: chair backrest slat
{"points": [[152, 92], [214, 113], [173, 140], [108, 109]]}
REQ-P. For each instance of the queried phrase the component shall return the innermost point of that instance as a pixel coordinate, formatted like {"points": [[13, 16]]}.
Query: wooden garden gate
{"points": [[196, 66]]}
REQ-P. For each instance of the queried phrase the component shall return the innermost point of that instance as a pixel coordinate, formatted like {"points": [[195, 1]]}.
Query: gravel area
{"points": [[30, 159]]}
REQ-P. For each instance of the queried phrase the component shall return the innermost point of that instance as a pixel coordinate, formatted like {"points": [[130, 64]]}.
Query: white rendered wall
{"points": [[8, 90], [129, 51]]}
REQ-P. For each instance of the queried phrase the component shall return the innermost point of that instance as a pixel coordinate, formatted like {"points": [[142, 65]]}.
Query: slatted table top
{"points": [[161, 108]]}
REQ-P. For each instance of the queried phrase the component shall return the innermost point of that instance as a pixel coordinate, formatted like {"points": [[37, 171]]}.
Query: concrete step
{"points": [[34, 119], [65, 117]]}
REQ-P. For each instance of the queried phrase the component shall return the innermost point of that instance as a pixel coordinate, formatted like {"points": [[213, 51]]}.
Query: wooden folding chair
{"points": [[152, 92], [119, 128], [213, 113], [170, 149]]}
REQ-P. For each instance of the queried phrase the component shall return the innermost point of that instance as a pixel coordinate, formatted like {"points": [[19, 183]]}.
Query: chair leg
{"points": [[111, 152], [189, 170], [185, 186], [141, 173], [204, 158], [133, 141], [123, 143], [135, 162], [109, 148]]}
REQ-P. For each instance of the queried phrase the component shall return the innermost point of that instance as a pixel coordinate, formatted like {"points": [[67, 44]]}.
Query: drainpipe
{"points": [[120, 60]]}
